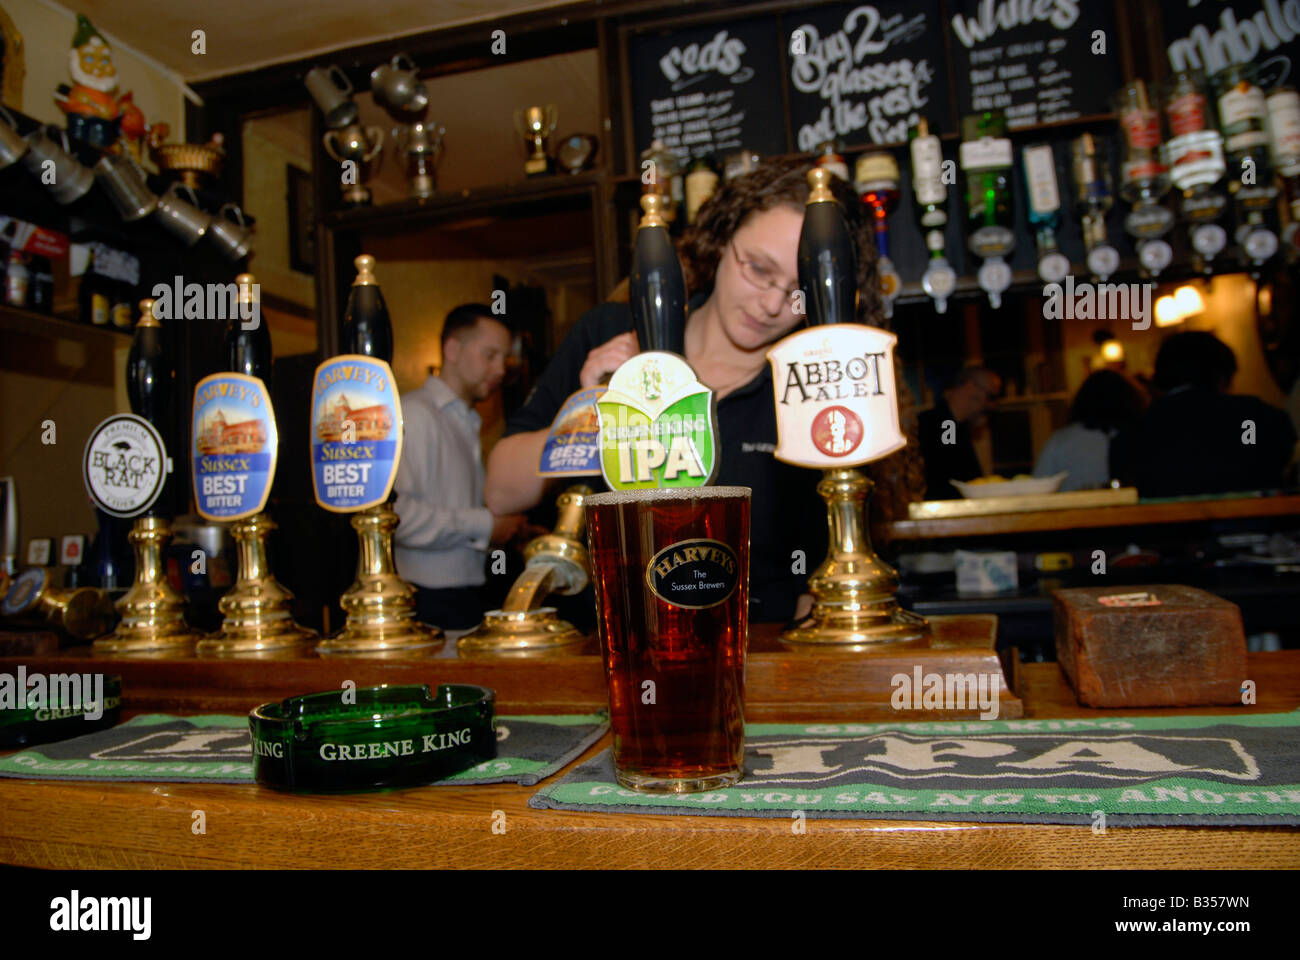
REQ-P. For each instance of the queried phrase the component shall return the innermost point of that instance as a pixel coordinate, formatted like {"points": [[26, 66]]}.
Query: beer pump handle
{"points": [[248, 341], [656, 289], [367, 329], [828, 269], [148, 375]]}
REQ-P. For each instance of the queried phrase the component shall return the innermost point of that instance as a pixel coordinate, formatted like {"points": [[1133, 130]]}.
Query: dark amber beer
{"points": [[671, 574]]}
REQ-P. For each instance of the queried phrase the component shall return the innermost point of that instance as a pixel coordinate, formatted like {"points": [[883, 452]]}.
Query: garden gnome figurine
{"points": [[90, 104]]}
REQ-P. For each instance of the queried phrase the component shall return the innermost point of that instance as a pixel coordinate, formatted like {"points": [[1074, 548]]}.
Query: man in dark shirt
{"points": [[1195, 437], [945, 431]]}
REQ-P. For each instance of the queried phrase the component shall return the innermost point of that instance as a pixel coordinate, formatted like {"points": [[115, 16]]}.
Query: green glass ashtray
{"points": [[41, 708], [372, 737]]}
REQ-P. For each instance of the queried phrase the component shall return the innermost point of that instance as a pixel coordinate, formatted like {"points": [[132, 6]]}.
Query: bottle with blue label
{"points": [[1041, 187]]}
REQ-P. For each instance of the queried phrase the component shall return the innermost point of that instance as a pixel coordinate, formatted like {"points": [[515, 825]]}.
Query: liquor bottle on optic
{"points": [[1093, 198], [939, 279], [367, 329], [986, 160], [248, 339], [1243, 118], [700, 183], [1044, 210], [1196, 164], [1284, 145], [876, 180], [830, 156], [1145, 178]]}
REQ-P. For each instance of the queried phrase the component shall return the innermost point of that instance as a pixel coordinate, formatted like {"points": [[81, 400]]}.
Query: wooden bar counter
{"points": [[1182, 511], [75, 825]]}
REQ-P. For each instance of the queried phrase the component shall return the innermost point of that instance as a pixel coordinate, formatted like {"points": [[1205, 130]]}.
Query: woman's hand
{"points": [[607, 358]]}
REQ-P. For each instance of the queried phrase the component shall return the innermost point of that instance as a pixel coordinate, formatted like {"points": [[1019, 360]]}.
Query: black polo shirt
{"points": [[786, 513]]}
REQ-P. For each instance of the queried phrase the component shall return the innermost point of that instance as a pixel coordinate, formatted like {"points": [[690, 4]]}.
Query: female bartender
{"points": [[740, 267]]}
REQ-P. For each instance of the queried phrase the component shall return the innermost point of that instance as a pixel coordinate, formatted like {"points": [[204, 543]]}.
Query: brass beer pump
{"points": [[554, 563], [854, 602], [380, 605], [855, 605], [557, 562], [153, 618], [257, 620], [81, 612]]}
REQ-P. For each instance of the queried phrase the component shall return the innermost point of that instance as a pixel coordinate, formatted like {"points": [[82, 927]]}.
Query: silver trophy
{"points": [[419, 146], [353, 148]]}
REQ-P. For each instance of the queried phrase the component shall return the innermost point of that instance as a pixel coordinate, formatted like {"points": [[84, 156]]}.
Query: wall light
{"points": [[1189, 302], [1167, 314], [1112, 351]]}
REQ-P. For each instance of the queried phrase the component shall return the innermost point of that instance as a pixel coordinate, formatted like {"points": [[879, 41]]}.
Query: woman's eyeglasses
{"points": [[760, 276]]}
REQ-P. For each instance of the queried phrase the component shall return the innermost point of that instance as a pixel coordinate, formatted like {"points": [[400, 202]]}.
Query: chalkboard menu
{"points": [[863, 73], [1211, 36], [1035, 62], [709, 90]]}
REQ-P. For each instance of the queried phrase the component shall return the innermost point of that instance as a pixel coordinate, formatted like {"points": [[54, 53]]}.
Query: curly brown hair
{"points": [[777, 181], [899, 478]]}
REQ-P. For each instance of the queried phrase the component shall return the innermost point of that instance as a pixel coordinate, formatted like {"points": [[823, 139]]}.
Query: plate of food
{"points": [[1022, 484]]}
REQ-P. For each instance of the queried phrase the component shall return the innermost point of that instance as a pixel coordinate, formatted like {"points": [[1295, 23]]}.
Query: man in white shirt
{"points": [[441, 544]]}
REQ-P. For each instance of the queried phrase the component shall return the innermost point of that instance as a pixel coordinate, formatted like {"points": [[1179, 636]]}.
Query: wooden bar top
{"points": [[780, 681], [1035, 521], [149, 825]]}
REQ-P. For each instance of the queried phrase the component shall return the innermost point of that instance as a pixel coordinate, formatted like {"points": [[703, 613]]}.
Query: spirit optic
{"points": [[939, 280]]}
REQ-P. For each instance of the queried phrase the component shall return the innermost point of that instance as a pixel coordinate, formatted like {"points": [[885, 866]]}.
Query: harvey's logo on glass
{"points": [[233, 447], [356, 433]]}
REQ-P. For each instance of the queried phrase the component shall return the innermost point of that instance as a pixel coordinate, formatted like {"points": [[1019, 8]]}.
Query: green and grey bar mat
{"points": [[218, 749], [1126, 771]]}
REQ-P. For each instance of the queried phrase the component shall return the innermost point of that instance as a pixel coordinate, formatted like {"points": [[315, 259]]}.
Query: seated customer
{"points": [[1195, 437], [1107, 403], [944, 431]]}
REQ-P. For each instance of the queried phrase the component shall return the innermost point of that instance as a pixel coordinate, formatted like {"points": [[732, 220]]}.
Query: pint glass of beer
{"points": [[671, 575]]}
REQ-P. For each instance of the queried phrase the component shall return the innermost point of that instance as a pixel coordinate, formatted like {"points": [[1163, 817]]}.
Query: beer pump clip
{"points": [[234, 447], [356, 446], [658, 422], [125, 467], [657, 426], [837, 409]]}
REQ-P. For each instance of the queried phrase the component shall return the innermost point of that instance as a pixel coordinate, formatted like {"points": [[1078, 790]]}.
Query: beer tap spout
{"points": [[555, 563]]}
